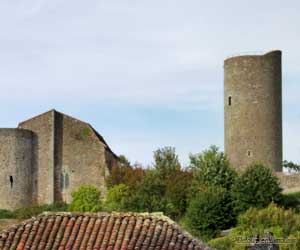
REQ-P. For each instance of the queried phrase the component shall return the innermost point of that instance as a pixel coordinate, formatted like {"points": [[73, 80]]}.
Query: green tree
{"points": [[123, 161], [118, 198], [86, 199], [256, 187], [177, 192], [210, 211], [291, 166], [166, 161], [128, 175], [211, 167], [149, 195]]}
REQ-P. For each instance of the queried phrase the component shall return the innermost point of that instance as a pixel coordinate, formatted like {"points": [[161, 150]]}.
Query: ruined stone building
{"points": [[253, 110], [48, 157]]}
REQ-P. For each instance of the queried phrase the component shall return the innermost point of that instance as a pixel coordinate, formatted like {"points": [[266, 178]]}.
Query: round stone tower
{"points": [[253, 110], [16, 156]]}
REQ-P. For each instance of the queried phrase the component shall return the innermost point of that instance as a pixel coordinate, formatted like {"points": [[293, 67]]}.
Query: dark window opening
{"points": [[249, 153], [229, 100], [66, 180], [11, 180], [61, 181]]}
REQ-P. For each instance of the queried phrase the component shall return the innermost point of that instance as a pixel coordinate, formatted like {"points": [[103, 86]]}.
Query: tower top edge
{"points": [[253, 55]]}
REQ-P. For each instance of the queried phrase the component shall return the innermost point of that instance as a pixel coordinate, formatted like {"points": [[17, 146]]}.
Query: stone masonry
{"points": [[48, 157], [253, 110]]}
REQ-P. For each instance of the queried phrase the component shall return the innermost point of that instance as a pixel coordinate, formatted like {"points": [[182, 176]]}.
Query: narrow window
{"points": [[62, 181], [229, 100], [11, 180], [249, 153], [66, 180]]}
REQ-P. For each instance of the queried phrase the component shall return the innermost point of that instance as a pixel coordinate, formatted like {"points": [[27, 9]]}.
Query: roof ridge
{"points": [[156, 217]]}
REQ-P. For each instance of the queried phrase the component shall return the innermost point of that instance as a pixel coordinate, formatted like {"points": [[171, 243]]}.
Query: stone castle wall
{"points": [[289, 182], [43, 128], [253, 110], [81, 158], [16, 160]]}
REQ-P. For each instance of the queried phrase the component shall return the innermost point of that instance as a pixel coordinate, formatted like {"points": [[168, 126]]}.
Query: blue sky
{"points": [[145, 74]]}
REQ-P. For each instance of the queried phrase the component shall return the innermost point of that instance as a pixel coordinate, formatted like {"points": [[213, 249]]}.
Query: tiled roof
{"points": [[97, 231]]}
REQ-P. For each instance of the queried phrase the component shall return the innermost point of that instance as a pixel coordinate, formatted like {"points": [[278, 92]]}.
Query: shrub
{"points": [[86, 199], [223, 243], [291, 200], [281, 223], [212, 168], [6, 214], [118, 198], [28, 212], [209, 212], [31, 211], [256, 187]]}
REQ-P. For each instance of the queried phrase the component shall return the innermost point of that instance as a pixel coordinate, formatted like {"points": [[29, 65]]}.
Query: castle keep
{"points": [[253, 110], [48, 157]]}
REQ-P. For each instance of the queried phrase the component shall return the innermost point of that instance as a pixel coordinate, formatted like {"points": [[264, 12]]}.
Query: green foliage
{"points": [[211, 167], [28, 212], [124, 161], [223, 243], [118, 198], [280, 222], [6, 214], [177, 191], [149, 193], [291, 200], [291, 166], [256, 187], [124, 174], [209, 212], [86, 199], [166, 161]]}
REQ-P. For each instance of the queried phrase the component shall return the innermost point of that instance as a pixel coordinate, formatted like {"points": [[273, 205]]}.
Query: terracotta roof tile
{"points": [[99, 231]]}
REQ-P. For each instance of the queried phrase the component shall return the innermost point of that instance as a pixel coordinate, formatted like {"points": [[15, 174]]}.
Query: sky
{"points": [[145, 74]]}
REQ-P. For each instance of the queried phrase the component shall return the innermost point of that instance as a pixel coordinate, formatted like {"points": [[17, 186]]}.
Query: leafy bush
{"points": [[223, 243], [209, 212], [6, 214], [118, 198], [291, 200], [86, 199], [256, 187], [280, 222], [31, 211], [28, 212], [212, 168]]}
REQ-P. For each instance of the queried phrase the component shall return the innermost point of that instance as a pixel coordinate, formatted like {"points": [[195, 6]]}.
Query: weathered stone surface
{"points": [[16, 158], [48, 157], [253, 110], [289, 182]]}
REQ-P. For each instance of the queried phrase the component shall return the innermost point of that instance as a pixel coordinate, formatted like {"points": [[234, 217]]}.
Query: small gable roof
{"points": [[99, 231]]}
